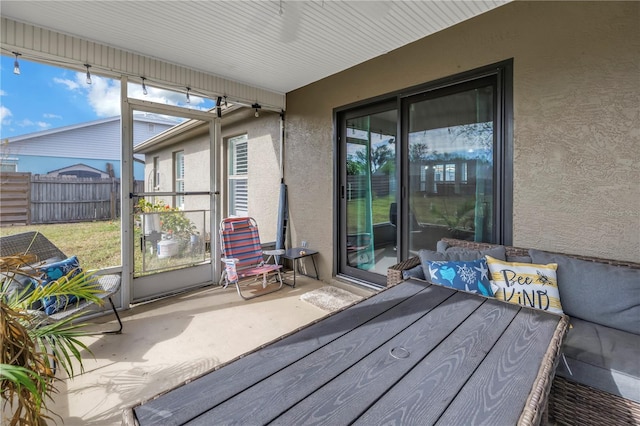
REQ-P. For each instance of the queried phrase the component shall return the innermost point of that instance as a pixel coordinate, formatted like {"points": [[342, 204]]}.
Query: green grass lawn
{"points": [[97, 244], [437, 210]]}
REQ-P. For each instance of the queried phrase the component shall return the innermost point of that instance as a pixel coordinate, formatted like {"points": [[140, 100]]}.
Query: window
{"points": [[156, 173], [178, 160], [238, 176], [8, 167]]}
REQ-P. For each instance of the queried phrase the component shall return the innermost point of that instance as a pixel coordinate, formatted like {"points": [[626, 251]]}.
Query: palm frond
{"points": [[31, 343], [82, 285]]}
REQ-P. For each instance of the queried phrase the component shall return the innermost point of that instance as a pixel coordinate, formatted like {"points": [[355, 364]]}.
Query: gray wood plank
{"points": [[190, 400], [344, 399], [266, 400], [498, 390], [426, 391]]}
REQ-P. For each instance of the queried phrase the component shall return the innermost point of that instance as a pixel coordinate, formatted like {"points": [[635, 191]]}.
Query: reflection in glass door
{"points": [[450, 148], [368, 193], [171, 238]]}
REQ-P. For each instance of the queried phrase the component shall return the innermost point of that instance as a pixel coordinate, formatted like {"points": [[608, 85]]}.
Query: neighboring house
{"points": [[81, 171], [178, 161], [75, 149]]}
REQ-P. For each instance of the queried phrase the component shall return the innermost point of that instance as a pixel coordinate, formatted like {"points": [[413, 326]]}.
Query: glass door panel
{"points": [[171, 216], [370, 189], [450, 149]]}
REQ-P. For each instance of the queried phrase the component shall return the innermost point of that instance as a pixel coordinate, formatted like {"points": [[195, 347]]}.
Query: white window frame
{"points": [[238, 179], [178, 161]]}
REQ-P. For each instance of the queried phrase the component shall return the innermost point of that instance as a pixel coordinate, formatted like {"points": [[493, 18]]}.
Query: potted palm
{"points": [[33, 346]]}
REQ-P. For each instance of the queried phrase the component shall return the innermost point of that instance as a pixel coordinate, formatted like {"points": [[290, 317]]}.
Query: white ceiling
{"points": [[279, 46]]}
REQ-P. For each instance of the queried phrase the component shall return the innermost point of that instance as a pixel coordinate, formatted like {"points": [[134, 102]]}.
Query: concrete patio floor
{"points": [[169, 341]]}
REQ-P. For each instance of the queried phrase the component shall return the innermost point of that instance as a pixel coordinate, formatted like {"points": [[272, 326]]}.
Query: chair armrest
{"points": [[394, 273], [278, 252]]}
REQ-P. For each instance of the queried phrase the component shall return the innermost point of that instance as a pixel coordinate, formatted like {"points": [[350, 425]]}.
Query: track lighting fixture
{"points": [[257, 107], [188, 98], [16, 64], [144, 87], [88, 73]]}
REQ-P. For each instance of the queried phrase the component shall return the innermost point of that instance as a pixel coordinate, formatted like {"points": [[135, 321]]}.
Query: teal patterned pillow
{"points": [[472, 276]]}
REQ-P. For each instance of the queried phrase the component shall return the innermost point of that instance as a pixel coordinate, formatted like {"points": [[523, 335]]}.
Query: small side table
{"points": [[294, 254]]}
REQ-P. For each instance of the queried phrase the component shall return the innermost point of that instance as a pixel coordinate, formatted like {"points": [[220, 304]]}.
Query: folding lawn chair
{"points": [[243, 256]]}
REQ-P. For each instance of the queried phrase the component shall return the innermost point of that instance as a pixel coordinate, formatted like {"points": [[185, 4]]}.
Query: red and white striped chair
{"points": [[243, 256]]}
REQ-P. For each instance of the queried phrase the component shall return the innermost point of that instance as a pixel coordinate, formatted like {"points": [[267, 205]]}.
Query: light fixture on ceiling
{"points": [[257, 107], [144, 87], [188, 97], [16, 64], [88, 73], [225, 101]]}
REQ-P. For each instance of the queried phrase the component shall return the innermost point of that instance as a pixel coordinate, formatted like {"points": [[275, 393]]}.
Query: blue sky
{"points": [[45, 97]]}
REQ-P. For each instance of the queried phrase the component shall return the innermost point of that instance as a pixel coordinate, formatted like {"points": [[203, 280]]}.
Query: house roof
{"points": [[78, 166], [146, 118], [277, 45]]}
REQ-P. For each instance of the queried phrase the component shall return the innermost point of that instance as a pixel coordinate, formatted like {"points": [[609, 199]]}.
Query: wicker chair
{"points": [[570, 403], [38, 245]]}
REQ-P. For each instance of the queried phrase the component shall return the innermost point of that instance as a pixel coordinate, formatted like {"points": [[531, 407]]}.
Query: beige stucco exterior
{"points": [[263, 135], [576, 123]]}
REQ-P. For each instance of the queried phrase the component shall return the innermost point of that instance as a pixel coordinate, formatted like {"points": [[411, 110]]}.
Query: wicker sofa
{"points": [[45, 251], [598, 379]]}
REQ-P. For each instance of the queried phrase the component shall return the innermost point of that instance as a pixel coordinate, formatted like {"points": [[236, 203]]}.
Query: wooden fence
{"points": [[32, 199]]}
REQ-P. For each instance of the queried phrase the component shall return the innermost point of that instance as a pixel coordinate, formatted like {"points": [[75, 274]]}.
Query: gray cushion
{"points": [[603, 358], [442, 246], [596, 292], [519, 259], [14, 284], [462, 253], [415, 272]]}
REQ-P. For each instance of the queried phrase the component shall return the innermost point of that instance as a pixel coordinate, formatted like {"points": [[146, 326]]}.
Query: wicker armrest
{"points": [[394, 273]]}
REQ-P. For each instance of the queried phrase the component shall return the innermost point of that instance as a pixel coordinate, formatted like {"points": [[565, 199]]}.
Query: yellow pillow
{"points": [[526, 284]]}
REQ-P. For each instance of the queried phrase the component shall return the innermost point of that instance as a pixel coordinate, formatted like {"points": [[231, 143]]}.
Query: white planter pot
{"points": [[151, 223]]}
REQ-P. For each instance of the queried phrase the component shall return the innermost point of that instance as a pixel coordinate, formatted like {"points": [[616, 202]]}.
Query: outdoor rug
{"points": [[330, 298]]}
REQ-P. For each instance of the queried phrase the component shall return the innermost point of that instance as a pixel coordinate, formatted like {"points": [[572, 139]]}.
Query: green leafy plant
{"points": [[459, 217], [173, 221], [32, 346]]}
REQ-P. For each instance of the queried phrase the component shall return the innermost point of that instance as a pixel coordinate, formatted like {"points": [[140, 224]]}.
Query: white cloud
{"points": [[42, 125], [5, 115], [3, 93], [25, 123], [71, 85], [164, 96], [103, 94], [47, 115]]}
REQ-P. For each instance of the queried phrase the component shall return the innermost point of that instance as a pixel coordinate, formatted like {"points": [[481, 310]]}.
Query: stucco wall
{"points": [[576, 122], [264, 166]]}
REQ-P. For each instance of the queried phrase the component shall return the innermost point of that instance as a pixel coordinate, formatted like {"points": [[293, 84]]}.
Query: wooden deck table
{"points": [[412, 354]]}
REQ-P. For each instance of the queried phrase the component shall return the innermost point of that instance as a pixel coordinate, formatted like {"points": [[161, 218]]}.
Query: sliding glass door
{"points": [[431, 162], [369, 191], [450, 145]]}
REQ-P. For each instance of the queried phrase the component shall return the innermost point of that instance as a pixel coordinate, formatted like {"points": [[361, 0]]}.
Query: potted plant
{"points": [[32, 346]]}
